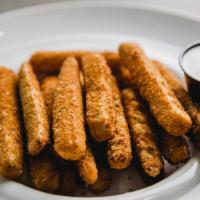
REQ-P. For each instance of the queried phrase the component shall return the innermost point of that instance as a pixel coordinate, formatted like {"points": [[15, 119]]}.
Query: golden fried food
{"points": [[51, 61], [112, 59], [48, 87], [103, 182], [119, 147], [87, 167], [11, 151], [140, 124], [124, 76], [44, 173], [154, 89], [86, 164], [174, 148], [182, 95], [68, 182], [99, 100], [34, 111], [68, 117]]}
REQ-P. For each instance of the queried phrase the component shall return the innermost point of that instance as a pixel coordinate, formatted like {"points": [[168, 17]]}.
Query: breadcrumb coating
{"points": [[143, 133], [154, 89], [68, 117], [87, 167], [48, 87], [174, 148], [119, 147], [99, 100], [182, 95], [34, 110], [103, 182], [51, 61], [44, 173], [11, 150]]}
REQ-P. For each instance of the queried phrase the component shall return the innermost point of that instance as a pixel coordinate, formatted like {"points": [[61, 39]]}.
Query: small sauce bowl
{"points": [[189, 61]]}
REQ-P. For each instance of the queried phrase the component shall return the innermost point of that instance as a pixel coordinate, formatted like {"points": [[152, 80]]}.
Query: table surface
{"points": [[189, 6]]}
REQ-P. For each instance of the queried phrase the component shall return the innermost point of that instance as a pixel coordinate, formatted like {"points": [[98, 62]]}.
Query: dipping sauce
{"points": [[190, 63]]}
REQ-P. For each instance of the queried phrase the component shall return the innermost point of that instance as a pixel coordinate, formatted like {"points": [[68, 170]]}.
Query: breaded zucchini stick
{"points": [[68, 181], [51, 61], [112, 59], [48, 87], [87, 167], [143, 134], [174, 148], [68, 117], [125, 76], [42, 168], [34, 111], [44, 173], [99, 100], [119, 147], [154, 89], [102, 183], [86, 164], [182, 95], [11, 150]]}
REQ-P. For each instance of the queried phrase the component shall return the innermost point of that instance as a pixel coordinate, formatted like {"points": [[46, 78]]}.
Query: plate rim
{"points": [[103, 3], [112, 3]]}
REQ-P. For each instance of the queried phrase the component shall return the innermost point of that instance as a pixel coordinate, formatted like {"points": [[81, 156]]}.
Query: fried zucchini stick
{"points": [[86, 164], [87, 167], [119, 147], [44, 173], [143, 134], [112, 59], [43, 170], [34, 111], [51, 61], [48, 87], [99, 100], [11, 150], [68, 119], [174, 148], [154, 89], [103, 182], [125, 76], [182, 95]]}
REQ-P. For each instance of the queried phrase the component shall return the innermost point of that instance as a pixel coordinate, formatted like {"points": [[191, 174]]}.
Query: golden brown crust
{"points": [[182, 95], [175, 149], [48, 87], [44, 173], [51, 61], [11, 155], [68, 118], [103, 182], [112, 59], [99, 100], [87, 167], [124, 76], [140, 124], [119, 147], [155, 90], [34, 111]]}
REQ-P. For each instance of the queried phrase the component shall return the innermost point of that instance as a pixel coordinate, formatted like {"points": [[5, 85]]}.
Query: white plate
{"points": [[101, 26]]}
